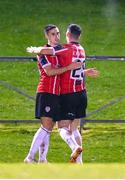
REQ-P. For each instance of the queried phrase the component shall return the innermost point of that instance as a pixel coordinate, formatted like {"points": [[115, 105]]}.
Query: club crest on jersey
{"points": [[47, 108]]}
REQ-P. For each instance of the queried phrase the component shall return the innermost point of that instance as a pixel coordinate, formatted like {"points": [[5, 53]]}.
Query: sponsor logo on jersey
{"points": [[47, 108]]}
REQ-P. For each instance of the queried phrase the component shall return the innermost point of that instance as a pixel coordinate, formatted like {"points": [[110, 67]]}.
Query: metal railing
{"points": [[91, 57]]}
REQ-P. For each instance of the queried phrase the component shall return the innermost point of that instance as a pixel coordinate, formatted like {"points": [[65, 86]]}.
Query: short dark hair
{"points": [[75, 30], [48, 27]]}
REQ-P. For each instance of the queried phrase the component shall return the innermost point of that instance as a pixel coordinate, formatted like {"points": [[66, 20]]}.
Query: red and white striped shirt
{"points": [[48, 84], [72, 81]]}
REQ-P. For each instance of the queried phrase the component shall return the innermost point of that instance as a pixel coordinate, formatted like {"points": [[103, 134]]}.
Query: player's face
{"points": [[53, 36]]}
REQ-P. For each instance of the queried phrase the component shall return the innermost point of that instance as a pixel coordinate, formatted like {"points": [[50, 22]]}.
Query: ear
{"points": [[79, 36], [46, 36], [68, 34]]}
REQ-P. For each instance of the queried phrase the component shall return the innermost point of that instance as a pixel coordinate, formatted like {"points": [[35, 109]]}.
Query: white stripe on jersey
{"points": [[43, 66], [54, 85], [48, 63], [39, 58], [74, 89], [55, 79], [61, 50]]}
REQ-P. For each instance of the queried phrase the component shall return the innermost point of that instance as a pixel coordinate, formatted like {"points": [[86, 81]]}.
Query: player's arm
{"points": [[41, 50], [51, 71], [46, 50]]}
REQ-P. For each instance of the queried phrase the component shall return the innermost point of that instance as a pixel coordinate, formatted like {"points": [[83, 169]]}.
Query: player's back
{"points": [[72, 81]]}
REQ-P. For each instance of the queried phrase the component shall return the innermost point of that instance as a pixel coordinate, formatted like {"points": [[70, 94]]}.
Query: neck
{"points": [[73, 40], [52, 44]]}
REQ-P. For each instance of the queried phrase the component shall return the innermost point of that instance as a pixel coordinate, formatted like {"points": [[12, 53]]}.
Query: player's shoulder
{"points": [[58, 47], [81, 46], [77, 45], [66, 45], [71, 45]]}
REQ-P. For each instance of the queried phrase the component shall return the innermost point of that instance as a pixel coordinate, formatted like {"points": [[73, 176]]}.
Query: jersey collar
{"points": [[73, 42]]}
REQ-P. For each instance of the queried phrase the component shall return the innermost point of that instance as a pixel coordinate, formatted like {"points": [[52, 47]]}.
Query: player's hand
{"points": [[92, 72], [75, 65], [32, 49]]}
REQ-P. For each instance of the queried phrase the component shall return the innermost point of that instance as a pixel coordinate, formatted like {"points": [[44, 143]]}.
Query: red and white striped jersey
{"points": [[72, 81], [48, 84]]}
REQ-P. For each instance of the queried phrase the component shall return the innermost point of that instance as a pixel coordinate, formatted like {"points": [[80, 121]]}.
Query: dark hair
{"points": [[75, 30], [49, 27]]}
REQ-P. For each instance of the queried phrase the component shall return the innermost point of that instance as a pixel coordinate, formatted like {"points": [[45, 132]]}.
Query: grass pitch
{"points": [[62, 171], [24, 76], [101, 144], [102, 23]]}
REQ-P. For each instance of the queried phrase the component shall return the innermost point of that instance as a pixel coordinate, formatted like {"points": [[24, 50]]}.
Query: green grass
{"points": [[102, 21], [101, 143], [63, 171], [101, 90], [109, 86]]}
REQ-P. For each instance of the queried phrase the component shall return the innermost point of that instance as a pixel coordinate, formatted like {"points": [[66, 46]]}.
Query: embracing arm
{"points": [[41, 50], [51, 71], [45, 50]]}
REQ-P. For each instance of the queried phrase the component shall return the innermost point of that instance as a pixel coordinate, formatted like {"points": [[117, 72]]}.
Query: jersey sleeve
{"points": [[43, 60]]}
